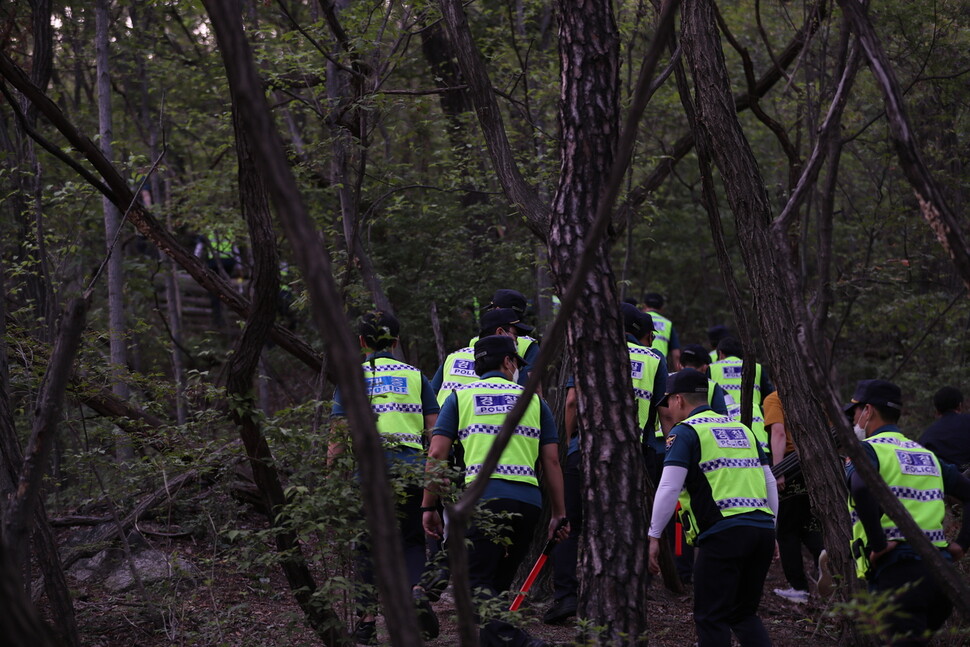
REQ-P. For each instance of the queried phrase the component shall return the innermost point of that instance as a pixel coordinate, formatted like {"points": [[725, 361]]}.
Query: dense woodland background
{"points": [[393, 168]]}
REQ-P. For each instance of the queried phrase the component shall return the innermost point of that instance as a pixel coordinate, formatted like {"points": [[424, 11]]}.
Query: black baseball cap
{"points": [[653, 299], [686, 380], [695, 354], [635, 322], [717, 333], [498, 346], [502, 317], [378, 325], [509, 299], [878, 392]]}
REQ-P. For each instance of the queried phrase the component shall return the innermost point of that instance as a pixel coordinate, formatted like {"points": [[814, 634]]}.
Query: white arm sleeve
{"points": [[772, 491], [671, 483]]}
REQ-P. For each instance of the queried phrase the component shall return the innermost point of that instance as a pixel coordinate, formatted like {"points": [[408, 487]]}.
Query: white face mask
{"points": [[515, 375], [860, 430]]}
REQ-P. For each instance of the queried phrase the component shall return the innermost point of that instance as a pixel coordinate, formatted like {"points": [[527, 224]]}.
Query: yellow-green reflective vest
{"points": [[913, 474], [482, 407], [757, 424], [394, 391], [457, 372], [730, 463], [662, 326], [644, 363], [727, 373], [711, 385]]}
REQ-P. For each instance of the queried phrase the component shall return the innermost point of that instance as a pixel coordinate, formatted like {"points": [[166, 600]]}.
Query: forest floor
{"points": [[225, 605]]}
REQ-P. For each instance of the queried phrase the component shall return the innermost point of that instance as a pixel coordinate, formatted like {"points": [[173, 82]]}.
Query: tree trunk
{"points": [[112, 224], [802, 381], [240, 371], [314, 264], [613, 574]]}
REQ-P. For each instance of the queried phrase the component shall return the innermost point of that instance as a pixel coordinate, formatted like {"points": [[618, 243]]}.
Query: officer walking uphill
{"points": [[728, 501], [405, 406], [473, 416], [920, 481]]}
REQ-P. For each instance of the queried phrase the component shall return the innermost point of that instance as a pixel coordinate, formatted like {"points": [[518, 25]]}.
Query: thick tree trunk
{"points": [[792, 349], [613, 575], [314, 263]]}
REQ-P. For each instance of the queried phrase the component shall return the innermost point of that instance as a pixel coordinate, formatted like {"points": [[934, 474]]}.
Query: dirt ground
{"points": [[226, 607]]}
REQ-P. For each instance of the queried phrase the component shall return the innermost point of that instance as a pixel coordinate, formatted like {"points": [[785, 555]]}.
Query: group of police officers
{"points": [[715, 471]]}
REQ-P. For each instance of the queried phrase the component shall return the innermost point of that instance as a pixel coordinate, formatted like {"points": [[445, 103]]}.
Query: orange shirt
{"points": [[775, 414]]}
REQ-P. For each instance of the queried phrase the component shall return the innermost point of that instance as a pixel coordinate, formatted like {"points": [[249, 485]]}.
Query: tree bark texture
{"points": [[114, 185], [314, 264], [785, 321], [613, 580], [240, 371]]}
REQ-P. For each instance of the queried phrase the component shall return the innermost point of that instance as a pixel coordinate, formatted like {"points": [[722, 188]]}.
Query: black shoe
{"points": [[427, 619], [365, 633], [436, 584], [560, 611]]}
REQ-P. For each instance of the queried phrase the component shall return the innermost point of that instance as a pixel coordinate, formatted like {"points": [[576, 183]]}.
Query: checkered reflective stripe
{"points": [[388, 368], [394, 439], [891, 440], [721, 463], [715, 420], [397, 406], [737, 387], [451, 386], [642, 394], [495, 386], [504, 470], [895, 534], [724, 504], [644, 350], [917, 495], [528, 432]]}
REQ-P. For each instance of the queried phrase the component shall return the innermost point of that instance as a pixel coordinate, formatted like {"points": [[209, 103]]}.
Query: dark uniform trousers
{"points": [[566, 553], [408, 512], [492, 565], [730, 567], [924, 606], [796, 526]]}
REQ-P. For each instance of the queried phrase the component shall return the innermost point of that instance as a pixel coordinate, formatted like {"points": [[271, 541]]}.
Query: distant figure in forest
{"points": [[665, 337], [405, 406], [949, 436]]}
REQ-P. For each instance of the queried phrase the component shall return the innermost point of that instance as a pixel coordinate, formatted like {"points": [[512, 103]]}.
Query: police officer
{"points": [[473, 415], [920, 481], [405, 406], [649, 373], [664, 336], [727, 372], [694, 356], [728, 501], [458, 368], [528, 347]]}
